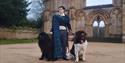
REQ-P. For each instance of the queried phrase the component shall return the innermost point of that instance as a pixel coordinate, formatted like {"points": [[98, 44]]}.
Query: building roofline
{"points": [[98, 7]]}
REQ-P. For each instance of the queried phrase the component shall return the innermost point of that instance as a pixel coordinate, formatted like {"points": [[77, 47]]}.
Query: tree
{"points": [[13, 12]]}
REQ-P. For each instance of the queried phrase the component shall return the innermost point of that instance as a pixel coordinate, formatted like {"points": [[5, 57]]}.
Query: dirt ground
{"points": [[97, 52]]}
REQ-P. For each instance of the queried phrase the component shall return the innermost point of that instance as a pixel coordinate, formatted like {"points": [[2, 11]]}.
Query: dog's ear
{"points": [[85, 33], [77, 37]]}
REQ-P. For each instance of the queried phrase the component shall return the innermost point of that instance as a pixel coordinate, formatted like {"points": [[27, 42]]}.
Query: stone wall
{"points": [[17, 34], [123, 28]]}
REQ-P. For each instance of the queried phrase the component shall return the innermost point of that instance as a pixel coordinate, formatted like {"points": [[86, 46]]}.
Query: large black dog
{"points": [[46, 46]]}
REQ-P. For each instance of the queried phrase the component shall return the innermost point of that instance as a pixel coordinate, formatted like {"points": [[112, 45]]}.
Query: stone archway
{"points": [[115, 27], [77, 17], [90, 18]]}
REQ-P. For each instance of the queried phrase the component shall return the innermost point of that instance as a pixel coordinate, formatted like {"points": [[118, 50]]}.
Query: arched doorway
{"points": [[98, 27]]}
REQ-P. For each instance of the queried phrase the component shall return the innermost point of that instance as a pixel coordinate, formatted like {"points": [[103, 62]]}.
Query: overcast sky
{"points": [[98, 2], [35, 10]]}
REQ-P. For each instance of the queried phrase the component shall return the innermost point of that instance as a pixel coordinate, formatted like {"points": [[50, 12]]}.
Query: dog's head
{"points": [[44, 37], [80, 37]]}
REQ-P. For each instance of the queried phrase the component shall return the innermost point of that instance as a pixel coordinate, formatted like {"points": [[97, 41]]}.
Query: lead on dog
{"points": [[80, 45]]}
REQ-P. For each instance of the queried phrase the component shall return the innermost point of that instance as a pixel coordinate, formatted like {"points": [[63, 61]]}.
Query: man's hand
{"points": [[70, 32]]}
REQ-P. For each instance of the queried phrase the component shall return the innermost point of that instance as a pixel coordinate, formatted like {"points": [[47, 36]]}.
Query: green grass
{"points": [[16, 41]]}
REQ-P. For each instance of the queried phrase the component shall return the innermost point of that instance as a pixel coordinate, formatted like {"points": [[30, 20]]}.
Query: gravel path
{"points": [[97, 52]]}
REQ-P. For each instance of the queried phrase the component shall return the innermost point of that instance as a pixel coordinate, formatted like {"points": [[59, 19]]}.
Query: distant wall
{"points": [[123, 23], [17, 34]]}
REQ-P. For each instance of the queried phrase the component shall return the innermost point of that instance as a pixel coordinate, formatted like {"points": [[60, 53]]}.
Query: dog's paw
{"points": [[41, 58], [76, 61], [83, 60]]}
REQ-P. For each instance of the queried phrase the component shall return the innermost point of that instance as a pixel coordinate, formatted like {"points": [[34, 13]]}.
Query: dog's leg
{"points": [[84, 53], [83, 56], [42, 55], [76, 54]]}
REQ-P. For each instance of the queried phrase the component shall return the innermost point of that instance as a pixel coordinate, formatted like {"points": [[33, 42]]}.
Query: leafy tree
{"points": [[13, 13]]}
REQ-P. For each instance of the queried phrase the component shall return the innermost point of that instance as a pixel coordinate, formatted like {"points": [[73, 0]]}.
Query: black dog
{"points": [[45, 44]]}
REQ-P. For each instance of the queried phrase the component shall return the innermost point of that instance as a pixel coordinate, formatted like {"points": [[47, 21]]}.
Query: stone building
{"points": [[101, 21]]}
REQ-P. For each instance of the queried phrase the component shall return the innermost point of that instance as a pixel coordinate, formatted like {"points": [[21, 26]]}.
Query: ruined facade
{"points": [[110, 18], [123, 22]]}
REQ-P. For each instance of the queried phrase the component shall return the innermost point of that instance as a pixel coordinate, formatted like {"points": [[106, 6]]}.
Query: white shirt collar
{"points": [[62, 14]]}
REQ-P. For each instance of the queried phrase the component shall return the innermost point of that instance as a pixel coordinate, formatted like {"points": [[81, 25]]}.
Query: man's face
{"points": [[61, 10]]}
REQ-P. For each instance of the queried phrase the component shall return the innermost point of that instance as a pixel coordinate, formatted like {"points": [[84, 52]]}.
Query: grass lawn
{"points": [[16, 41]]}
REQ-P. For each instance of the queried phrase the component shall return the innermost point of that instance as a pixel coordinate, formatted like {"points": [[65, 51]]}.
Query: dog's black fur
{"points": [[46, 46], [80, 37]]}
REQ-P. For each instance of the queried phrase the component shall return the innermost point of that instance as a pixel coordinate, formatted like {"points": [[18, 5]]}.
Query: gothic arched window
{"points": [[98, 27]]}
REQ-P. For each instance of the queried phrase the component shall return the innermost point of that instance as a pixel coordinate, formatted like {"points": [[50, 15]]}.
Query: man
{"points": [[60, 28]]}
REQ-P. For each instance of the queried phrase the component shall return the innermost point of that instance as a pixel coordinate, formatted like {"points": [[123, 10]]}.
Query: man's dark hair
{"points": [[62, 7]]}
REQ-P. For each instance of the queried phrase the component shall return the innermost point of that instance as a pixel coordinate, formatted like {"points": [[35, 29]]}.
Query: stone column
{"points": [[123, 22], [80, 20], [89, 30], [72, 15], [47, 21], [117, 3]]}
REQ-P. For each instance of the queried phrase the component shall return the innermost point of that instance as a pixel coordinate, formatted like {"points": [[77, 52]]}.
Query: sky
{"points": [[98, 2], [35, 10]]}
